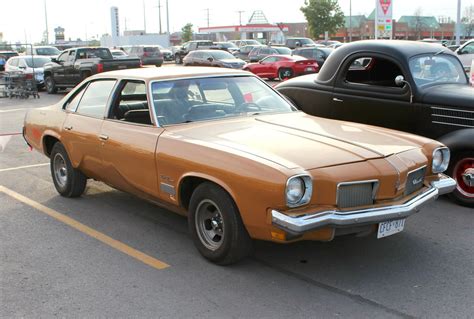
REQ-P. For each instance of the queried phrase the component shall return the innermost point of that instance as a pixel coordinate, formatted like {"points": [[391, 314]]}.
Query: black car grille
{"points": [[452, 117], [415, 180], [353, 194]]}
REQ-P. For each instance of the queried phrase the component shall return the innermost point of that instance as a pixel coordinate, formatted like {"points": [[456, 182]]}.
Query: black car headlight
{"points": [[299, 189], [440, 162]]}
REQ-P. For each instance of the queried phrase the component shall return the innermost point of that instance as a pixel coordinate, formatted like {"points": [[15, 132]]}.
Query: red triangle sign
{"points": [[385, 4]]}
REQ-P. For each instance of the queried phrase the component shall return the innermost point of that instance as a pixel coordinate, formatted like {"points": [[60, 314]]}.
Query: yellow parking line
{"points": [[21, 167], [144, 258]]}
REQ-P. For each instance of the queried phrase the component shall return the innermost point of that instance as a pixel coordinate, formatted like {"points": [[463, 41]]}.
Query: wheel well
{"points": [[48, 143], [187, 187]]}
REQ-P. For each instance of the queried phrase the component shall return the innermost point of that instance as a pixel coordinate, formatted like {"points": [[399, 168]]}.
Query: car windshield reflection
{"points": [[192, 100], [436, 68]]}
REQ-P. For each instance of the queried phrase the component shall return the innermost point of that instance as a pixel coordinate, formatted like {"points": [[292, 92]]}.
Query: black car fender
{"points": [[460, 140]]}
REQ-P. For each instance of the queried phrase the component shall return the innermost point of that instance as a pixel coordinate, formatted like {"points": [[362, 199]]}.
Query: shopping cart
{"points": [[19, 84]]}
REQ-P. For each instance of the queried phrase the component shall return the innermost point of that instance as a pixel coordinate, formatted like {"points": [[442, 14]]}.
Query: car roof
{"points": [[169, 73]]}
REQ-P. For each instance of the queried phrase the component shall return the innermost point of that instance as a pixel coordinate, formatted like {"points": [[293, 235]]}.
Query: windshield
{"points": [[37, 62], [192, 100], [47, 51], [433, 68], [227, 45], [221, 55], [283, 50]]}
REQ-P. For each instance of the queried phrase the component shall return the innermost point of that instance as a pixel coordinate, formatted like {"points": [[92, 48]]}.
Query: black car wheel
{"points": [[285, 74], [216, 226], [462, 170], [50, 85], [69, 182]]}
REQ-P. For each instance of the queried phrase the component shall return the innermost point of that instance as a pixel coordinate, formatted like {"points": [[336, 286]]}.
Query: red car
{"points": [[282, 66]]}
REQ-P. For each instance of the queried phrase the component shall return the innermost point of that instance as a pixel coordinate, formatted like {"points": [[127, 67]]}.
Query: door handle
{"points": [[68, 128], [335, 99], [103, 137]]}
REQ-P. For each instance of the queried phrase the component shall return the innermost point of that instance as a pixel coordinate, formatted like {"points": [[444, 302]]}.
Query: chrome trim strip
{"points": [[167, 188], [333, 218], [448, 109], [453, 117], [452, 124]]}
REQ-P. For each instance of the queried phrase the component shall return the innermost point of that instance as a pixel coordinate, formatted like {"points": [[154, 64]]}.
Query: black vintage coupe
{"points": [[415, 87]]}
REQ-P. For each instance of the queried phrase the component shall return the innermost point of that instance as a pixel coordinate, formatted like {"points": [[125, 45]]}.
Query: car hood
{"points": [[457, 95], [296, 140]]}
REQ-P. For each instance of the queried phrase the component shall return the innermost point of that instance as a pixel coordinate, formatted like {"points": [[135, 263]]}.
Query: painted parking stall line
{"points": [[22, 167], [109, 241]]}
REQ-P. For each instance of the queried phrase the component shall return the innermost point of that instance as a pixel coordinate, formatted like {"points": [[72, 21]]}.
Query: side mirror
{"points": [[54, 60], [460, 52], [400, 81]]}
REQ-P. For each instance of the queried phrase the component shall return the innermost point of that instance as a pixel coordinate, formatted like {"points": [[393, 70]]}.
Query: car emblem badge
{"points": [[417, 180]]}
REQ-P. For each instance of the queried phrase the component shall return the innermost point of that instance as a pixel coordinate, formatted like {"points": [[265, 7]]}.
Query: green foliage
{"points": [[323, 15], [187, 32]]}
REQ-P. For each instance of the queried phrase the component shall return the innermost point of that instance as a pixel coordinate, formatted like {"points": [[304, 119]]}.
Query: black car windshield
{"points": [[47, 51], [200, 99], [226, 45], [37, 62], [221, 55], [282, 50], [436, 68]]}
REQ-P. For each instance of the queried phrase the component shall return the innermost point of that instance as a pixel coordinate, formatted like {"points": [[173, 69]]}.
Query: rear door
{"points": [[58, 68], [81, 129], [128, 141]]}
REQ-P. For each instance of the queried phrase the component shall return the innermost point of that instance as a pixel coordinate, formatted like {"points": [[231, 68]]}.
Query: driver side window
{"points": [[370, 70], [63, 57]]}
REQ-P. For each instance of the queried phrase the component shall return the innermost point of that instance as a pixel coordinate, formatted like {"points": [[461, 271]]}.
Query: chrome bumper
{"points": [[338, 219]]}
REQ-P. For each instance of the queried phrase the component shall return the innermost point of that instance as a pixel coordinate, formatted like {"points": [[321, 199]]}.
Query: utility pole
{"points": [[159, 13], [207, 17], [46, 22], [458, 24], [167, 18], [240, 16], [350, 20], [144, 18]]}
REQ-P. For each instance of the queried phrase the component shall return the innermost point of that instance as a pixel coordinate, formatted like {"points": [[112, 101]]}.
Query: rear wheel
{"points": [[216, 226], [69, 182], [285, 74], [462, 170], [50, 84]]}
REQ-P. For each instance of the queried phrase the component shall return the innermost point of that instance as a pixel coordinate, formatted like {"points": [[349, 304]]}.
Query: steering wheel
{"points": [[248, 106]]}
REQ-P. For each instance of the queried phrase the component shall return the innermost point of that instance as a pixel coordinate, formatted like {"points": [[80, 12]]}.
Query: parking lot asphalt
{"points": [[86, 257]]}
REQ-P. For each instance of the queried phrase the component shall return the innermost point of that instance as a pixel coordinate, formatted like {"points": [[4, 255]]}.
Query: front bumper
{"points": [[339, 219]]}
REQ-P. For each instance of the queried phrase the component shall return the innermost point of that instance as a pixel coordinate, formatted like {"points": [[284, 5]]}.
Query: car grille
{"points": [[415, 180], [452, 117], [353, 194]]}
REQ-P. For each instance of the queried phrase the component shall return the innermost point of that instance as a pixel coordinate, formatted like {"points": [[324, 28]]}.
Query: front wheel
{"points": [[216, 226], [69, 182], [50, 84], [285, 74], [462, 170]]}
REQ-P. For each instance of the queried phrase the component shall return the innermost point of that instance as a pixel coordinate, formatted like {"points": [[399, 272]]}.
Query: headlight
{"points": [[441, 157], [299, 189]]}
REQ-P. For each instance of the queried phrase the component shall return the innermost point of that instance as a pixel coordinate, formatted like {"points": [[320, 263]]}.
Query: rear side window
{"points": [[150, 49], [94, 100], [373, 71]]}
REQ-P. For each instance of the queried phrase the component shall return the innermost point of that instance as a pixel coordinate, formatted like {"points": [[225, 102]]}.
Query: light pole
{"points": [[458, 24], [350, 20], [46, 22]]}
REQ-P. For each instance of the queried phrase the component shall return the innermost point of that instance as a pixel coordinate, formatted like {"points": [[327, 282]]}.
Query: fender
{"points": [[459, 140]]}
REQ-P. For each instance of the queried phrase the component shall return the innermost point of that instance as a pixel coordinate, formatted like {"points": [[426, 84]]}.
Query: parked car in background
{"points": [[224, 149], [45, 50], [294, 43], [435, 41], [320, 54], [241, 43], [118, 54], [215, 58], [3, 60], [167, 53], [226, 46], [328, 42], [243, 52], [189, 47], [405, 85], [74, 65], [465, 53], [27, 64], [282, 67], [261, 52], [8, 54], [148, 54]]}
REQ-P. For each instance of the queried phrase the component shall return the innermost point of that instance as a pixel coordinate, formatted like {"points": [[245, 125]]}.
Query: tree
{"points": [[468, 21], [322, 15], [187, 31], [419, 23]]}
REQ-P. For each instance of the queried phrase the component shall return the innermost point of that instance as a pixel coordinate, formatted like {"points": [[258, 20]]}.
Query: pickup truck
{"points": [[74, 65]]}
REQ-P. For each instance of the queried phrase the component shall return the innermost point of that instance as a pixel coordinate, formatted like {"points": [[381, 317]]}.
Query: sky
{"points": [[91, 18]]}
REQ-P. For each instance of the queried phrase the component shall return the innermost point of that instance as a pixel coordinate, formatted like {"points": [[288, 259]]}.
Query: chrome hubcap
{"points": [[209, 224], [464, 175], [60, 170], [468, 177]]}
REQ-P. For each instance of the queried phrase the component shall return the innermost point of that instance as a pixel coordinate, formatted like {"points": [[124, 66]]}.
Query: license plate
{"points": [[309, 69], [390, 228]]}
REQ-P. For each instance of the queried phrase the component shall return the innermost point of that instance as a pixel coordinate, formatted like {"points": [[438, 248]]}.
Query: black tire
{"points": [[234, 244], [285, 74], [50, 85], [69, 182], [463, 194]]}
